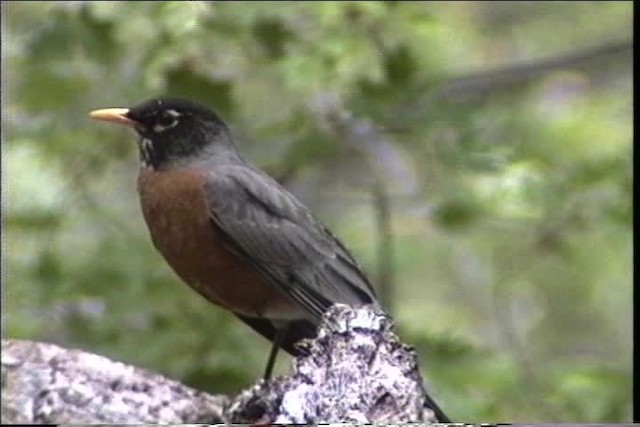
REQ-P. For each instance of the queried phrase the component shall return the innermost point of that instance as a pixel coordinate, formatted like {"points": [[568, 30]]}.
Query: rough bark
{"points": [[356, 370], [44, 383]]}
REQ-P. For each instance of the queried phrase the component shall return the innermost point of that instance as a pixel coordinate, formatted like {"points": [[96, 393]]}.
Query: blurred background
{"points": [[475, 157]]}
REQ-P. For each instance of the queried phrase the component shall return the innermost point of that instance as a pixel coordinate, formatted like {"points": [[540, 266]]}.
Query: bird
{"points": [[230, 231]]}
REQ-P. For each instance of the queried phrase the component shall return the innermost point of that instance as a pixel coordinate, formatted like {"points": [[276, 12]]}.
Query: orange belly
{"points": [[174, 207]]}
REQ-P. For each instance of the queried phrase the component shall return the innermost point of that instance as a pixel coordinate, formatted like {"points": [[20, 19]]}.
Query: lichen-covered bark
{"points": [[355, 371], [44, 383]]}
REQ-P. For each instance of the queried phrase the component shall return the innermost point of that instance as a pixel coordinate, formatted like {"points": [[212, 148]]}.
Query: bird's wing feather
{"points": [[265, 224]]}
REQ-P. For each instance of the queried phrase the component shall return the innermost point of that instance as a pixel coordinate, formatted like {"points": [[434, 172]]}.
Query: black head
{"points": [[172, 131]]}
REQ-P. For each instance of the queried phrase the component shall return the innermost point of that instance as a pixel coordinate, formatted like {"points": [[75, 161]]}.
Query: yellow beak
{"points": [[113, 115]]}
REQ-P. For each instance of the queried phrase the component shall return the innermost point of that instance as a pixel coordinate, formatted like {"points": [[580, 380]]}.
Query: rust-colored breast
{"points": [[174, 207]]}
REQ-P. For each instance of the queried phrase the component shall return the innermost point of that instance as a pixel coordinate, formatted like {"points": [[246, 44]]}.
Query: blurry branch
{"points": [[385, 256], [482, 83], [356, 370], [383, 155]]}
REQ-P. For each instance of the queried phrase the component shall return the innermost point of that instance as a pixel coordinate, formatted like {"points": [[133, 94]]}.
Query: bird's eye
{"points": [[166, 120]]}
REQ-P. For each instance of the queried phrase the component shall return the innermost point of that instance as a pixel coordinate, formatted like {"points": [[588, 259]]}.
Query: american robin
{"points": [[231, 232]]}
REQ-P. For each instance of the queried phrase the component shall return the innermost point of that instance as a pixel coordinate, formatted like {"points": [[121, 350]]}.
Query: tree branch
{"points": [[356, 370], [478, 84]]}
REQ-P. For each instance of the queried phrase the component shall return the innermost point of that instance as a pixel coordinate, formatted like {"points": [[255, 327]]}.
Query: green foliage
{"points": [[512, 255]]}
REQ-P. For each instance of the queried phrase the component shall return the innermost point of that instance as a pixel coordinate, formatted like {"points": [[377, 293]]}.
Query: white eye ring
{"points": [[170, 119]]}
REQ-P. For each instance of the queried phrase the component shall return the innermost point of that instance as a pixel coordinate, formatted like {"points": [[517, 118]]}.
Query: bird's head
{"points": [[173, 132]]}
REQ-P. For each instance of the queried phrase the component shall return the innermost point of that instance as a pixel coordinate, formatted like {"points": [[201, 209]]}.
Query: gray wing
{"points": [[264, 223]]}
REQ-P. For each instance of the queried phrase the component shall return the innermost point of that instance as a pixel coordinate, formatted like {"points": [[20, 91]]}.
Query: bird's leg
{"points": [[277, 340]]}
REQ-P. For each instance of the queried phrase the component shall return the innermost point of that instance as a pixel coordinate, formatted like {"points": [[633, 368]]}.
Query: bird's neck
{"points": [[153, 157]]}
